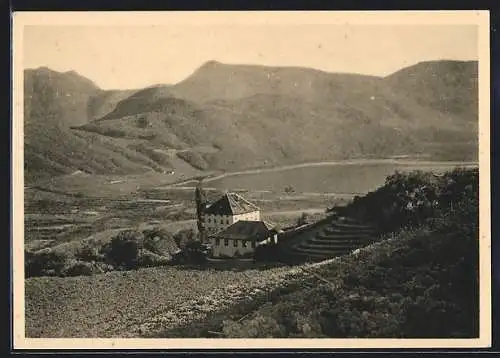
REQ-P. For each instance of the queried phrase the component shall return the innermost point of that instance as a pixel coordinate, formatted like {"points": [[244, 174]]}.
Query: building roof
{"points": [[246, 230], [231, 204]]}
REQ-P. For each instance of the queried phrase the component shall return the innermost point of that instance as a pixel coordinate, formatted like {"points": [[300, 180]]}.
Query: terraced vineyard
{"points": [[334, 237]]}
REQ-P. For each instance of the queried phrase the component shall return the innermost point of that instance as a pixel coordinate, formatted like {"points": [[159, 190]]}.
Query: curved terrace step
{"points": [[335, 245], [344, 238], [330, 237], [336, 230], [338, 227]]}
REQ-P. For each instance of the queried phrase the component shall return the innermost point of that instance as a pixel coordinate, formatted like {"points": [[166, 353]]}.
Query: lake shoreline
{"points": [[403, 162]]}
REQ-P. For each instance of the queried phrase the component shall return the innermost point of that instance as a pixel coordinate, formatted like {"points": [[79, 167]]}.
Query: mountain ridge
{"points": [[250, 115]]}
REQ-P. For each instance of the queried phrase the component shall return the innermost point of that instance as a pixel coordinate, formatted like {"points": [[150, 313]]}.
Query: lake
{"points": [[341, 178]]}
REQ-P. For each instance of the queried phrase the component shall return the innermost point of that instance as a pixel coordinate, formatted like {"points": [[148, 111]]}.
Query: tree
{"points": [[124, 248], [200, 198]]}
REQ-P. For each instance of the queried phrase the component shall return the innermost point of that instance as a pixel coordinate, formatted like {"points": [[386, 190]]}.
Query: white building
{"points": [[241, 238], [229, 209]]}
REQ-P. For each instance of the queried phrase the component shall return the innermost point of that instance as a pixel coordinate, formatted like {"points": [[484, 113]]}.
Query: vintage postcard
{"points": [[204, 180]]}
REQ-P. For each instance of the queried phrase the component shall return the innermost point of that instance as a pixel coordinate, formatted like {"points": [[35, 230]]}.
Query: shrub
{"points": [[44, 263], [160, 242], [78, 268], [88, 253], [146, 258], [124, 249], [410, 199]]}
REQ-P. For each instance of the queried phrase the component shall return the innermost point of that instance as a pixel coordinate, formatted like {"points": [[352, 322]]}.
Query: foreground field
{"points": [[134, 303]]}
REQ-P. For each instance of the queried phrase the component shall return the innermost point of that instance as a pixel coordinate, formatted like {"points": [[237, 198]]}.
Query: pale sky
{"points": [[119, 57]]}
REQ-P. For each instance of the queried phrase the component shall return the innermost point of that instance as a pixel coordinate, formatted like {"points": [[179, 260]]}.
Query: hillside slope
{"points": [[420, 280], [447, 86], [55, 102], [238, 116]]}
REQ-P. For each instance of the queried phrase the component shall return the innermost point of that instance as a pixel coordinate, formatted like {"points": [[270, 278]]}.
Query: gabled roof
{"points": [[246, 230], [231, 204]]}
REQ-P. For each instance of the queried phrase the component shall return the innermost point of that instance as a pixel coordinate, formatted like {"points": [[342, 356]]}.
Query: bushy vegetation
{"points": [[410, 199], [128, 250], [194, 252], [43, 263], [420, 282], [48, 262], [123, 250]]}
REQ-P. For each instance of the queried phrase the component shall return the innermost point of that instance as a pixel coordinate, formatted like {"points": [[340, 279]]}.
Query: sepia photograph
{"points": [[251, 180]]}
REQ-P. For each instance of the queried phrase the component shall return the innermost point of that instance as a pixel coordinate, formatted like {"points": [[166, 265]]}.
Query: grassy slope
{"points": [[232, 117], [419, 284]]}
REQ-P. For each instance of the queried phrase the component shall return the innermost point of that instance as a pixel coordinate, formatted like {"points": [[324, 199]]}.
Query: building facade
{"points": [[226, 211], [241, 238]]}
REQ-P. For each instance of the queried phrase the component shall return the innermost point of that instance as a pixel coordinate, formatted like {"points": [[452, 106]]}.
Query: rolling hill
{"points": [[239, 116]]}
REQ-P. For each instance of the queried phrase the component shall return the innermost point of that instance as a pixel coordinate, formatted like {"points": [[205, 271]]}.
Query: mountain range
{"points": [[230, 117]]}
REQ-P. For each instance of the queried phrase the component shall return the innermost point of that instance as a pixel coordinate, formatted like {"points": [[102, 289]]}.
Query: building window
{"points": [[244, 243], [221, 221], [208, 220], [235, 243], [226, 242], [217, 242]]}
